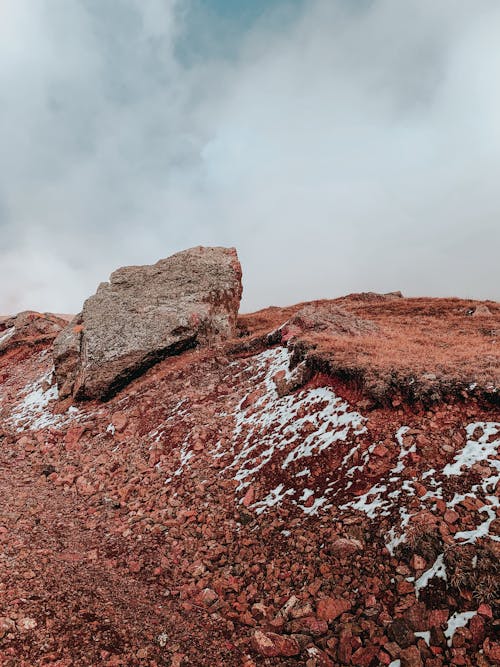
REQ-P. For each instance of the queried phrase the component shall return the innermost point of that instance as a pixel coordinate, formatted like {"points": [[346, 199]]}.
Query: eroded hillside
{"points": [[321, 489]]}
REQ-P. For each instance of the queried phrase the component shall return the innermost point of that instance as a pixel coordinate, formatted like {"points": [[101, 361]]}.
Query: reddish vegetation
{"points": [[421, 350], [149, 531]]}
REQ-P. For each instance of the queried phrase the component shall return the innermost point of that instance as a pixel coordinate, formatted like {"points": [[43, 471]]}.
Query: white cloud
{"points": [[346, 150]]}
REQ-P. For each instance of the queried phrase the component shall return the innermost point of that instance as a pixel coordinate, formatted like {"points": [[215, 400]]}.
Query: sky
{"points": [[339, 145]]}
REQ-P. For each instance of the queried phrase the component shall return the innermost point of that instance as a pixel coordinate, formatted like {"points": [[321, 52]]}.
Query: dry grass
{"points": [[475, 568], [422, 350]]}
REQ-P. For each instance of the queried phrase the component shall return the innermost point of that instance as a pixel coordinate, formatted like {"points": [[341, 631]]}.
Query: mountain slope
{"points": [[321, 490]]}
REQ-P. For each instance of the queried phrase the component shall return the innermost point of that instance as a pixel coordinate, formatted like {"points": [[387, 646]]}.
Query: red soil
{"points": [[132, 545]]}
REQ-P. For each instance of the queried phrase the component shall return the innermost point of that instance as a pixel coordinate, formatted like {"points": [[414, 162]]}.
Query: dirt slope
{"points": [[205, 516]]}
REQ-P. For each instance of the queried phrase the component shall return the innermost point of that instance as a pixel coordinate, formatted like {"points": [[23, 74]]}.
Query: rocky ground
{"points": [[226, 508]]}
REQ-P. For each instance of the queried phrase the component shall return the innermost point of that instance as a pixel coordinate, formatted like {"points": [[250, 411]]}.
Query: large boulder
{"points": [[144, 314]]}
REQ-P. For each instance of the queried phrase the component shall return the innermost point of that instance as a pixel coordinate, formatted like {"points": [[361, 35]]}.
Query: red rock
{"points": [[29, 328], [493, 652], [134, 566], [249, 497], [485, 610], [119, 421], [309, 625], [458, 657], [384, 658], [328, 609], [177, 659], [420, 489], [345, 649], [271, 645], [207, 597], [6, 625], [477, 629], [318, 658], [405, 587], [450, 516], [72, 438], [438, 616], [364, 656], [343, 547], [417, 617], [410, 657], [417, 562]]}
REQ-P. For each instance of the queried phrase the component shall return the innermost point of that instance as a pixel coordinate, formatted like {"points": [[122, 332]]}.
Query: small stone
{"points": [[451, 517], [417, 562], [6, 625], [134, 566], [410, 657], [485, 610], [364, 656], [329, 609], [344, 547], [119, 421], [271, 645], [401, 633], [309, 625], [207, 597], [249, 497], [177, 660], [25, 624]]}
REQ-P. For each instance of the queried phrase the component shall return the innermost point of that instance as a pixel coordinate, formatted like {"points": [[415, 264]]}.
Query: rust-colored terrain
{"points": [[322, 489]]}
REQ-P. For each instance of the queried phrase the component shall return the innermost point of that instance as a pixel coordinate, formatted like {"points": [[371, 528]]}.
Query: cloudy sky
{"points": [[340, 145]]}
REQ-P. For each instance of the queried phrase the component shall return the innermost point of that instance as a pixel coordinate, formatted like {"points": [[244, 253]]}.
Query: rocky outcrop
{"points": [[144, 314], [29, 328], [327, 319]]}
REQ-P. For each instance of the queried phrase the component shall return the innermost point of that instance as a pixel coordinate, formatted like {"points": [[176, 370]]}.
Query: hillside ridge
{"points": [[320, 487]]}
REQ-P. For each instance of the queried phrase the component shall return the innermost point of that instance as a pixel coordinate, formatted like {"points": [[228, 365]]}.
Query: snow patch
{"points": [[32, 412], [273, 498], [458, 620], [437, 570], [7, 334], [285, 429]]}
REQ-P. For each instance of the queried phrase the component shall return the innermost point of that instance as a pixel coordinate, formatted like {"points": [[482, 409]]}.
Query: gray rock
{"points": [[144, 314]]}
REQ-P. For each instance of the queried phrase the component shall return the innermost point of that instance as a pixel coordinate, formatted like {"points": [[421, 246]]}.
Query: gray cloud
{"points": [[339, 149]]}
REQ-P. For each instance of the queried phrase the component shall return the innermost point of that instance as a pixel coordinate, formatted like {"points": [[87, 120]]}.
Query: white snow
{"points": [[273, 498], [458, 620], [403, 452], [317, 504], [382, 498], [483, 529], [32, 410], [371, 502], [306, 493], [438, 570], [476, 451], [286, 429], [7, 334]]}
